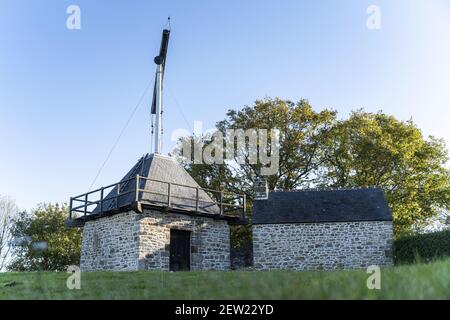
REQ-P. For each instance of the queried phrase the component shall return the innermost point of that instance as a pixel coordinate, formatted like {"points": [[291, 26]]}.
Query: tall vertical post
{"points": [[101, 199], [244, 205], [85, 204], [117, 195], [158, 126], [157, 103], [70, 208], [168, 195], [137, 189], [196, 199]]}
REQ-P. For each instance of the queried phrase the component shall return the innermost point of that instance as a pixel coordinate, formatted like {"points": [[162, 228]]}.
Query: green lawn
{"points": [[420, 281]]}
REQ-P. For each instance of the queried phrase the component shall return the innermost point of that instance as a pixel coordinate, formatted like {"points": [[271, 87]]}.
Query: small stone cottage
{"points": [[157, 217], [322, 229]]}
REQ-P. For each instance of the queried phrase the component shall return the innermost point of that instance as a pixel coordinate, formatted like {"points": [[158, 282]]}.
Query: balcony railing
{"points": [[142, 191]]}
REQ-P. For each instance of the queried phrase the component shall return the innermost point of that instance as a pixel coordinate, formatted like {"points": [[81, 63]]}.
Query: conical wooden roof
{"points": [[158, 171]]}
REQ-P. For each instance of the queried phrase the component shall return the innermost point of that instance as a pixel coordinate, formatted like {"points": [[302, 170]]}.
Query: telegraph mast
{"points": [[157, 103]]}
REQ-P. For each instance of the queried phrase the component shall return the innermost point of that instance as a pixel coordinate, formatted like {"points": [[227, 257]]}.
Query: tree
{"points": [[8, 211], [378, 150], [45, 225], [302, 133], [317, 150]]}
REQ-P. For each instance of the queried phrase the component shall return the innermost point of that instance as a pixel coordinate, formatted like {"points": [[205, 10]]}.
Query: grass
{"points": [[419, 281]]}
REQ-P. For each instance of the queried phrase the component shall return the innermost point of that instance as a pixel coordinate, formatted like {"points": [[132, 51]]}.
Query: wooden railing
{"points": [[100, 200]]}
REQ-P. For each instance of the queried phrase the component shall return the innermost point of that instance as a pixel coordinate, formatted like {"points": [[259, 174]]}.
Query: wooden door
{"points": [[180, 250]]}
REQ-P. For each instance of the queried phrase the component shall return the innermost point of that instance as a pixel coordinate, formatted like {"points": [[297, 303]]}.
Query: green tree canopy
{"points": [[46, 224], [302, 134], [318, 150], [370, 149]]}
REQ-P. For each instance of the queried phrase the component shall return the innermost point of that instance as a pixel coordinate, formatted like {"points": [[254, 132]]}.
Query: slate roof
{"points": [[307, 206], [162, 168]]}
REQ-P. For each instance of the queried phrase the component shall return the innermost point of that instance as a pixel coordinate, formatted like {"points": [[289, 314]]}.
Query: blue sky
{"points": [[66, 94]]}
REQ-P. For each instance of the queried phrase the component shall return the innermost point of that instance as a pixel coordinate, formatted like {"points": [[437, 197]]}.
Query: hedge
{"points": [[422, 247]]}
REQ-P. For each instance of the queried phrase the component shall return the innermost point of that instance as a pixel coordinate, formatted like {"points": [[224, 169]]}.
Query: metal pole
{"points": [[85, 204], [70, 208], [117, 196], [168, 195], [137, 188], [101, 200], [196, 200], [244, 209], [158, 126]]}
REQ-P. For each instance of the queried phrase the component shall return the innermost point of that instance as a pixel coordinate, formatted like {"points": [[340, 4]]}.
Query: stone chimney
{"points": [[260, 188]]}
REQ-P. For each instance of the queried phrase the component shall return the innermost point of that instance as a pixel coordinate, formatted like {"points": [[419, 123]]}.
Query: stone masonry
{"points": [[110, 243], [130, 241], [327, 246]]}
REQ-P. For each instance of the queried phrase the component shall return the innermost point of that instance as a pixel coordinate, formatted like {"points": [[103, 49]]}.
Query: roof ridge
{"points": [[323, 205], [329, 189], [163, 156]]}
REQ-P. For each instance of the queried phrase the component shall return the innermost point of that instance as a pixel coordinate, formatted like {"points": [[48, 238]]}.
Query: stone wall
{"points": [[210, 241], [110, 243], [130, 241], [311, 246]]}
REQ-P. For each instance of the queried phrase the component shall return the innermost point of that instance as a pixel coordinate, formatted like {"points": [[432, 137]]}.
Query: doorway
{"points": [[180, 250]]}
